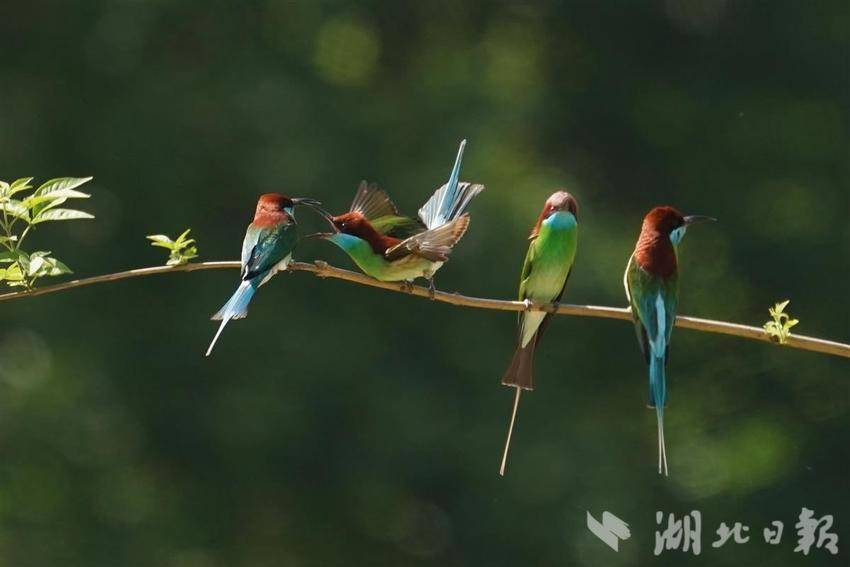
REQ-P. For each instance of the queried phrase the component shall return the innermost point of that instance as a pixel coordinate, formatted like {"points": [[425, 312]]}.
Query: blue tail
{"points": [[454, 177], [449, 201], [657, 399], [235, 308]]}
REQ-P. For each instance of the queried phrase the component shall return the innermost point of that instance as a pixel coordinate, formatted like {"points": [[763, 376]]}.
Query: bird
{"points": [[266, 250], [651, 281], [547, 267], [391, 247]]}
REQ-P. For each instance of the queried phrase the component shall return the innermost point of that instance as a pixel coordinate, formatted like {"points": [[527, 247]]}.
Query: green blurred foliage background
{"points": [[341, 425]]}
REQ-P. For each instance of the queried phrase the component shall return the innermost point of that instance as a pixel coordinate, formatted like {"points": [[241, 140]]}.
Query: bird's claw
{"points": [[527, 304], [406, 287], [432, 290], [322, 266]]}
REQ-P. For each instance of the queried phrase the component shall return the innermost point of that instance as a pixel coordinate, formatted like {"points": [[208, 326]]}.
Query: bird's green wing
{"points": [[248, 244], [397, 226], [526, 269], [653, 301], [264, 247], [527, 266], [523, 277]]}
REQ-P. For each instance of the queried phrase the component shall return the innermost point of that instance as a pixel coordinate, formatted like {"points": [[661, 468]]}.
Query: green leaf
{"points": [[9, 256], [13, 273], [35, 265], [60, 215], [15, 209], [23, 262], [64, 187], [161, 240], [182, 256], [56, 191], [33, 201], [182, 250], [21, 184], [47, 266], [58, 268]]}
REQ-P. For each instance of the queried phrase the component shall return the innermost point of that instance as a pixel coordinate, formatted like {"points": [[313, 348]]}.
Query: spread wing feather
{"points": [[434, 245], [372, 202]]}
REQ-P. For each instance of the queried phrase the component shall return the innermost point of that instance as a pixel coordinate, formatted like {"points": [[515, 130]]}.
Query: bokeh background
{"points": [[342, 425]]}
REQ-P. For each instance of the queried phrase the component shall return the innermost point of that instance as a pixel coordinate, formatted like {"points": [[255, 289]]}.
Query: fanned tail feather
{"points": [[449, 201], [657, 399], [450, 188], [439, 211], [235, 308]]}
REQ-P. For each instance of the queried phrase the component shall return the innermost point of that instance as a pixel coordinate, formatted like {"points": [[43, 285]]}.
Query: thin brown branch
{"points": [[324, 270]]}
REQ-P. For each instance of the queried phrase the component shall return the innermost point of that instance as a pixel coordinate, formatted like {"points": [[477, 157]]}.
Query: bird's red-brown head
{"points": [[355, 224], [273, 208], [662, 229], [667, 220], [663, 220], [559, 201]]}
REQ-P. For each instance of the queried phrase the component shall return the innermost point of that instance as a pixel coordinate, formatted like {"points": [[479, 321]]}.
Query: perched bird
{"points": [[266, 249], [391, 247], [652, 288], [547, 267]]}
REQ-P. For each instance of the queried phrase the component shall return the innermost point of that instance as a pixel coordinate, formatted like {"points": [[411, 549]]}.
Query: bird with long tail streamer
{"points": [[547, 267], [652, 289], [391, 247], [266, 250]]}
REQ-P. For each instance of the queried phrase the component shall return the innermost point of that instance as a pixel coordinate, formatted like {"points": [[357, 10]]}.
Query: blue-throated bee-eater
{"points": [[652, 289], [390, 247], [547, 267], [266, 250]]}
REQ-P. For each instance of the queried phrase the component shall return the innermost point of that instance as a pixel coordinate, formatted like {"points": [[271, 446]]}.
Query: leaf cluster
{"points": [[22, 209], [779, 329], [180, 250]]}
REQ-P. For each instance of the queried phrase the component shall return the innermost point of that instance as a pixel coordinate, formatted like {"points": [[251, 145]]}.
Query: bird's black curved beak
{"points": [[321, 235], [694, 219], [316, 206], [307, 201]]}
